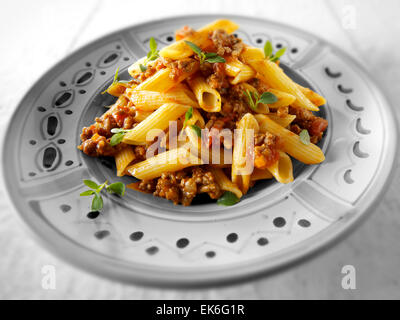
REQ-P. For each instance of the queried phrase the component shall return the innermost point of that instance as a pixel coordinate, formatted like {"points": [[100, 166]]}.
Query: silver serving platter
{"points": [[148, 240]]}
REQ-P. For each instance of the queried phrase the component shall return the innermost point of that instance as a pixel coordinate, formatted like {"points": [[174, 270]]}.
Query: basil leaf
{"points": [[153, 44], [97, 203], [142, 68], [196, 129], [228, 199], [188, 115], [217, 59], [116, 138], [117, 130], [268, 49], [278, 54], [91, 184], [194, 47], [117, 187], [250, 101], [304, 137], [267, 98], [87, 193], [210, 55]]}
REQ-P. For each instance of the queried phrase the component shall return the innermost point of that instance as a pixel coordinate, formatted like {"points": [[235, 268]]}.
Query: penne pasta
{"points": [[314, 97], [239, 71], [242, 161], [284, 99], [261, 107], [151, 100], [123, 159], [309, 154], [282, 121], [282, 169], [158, 120], [224, 183], [260, 174], [208, 98], [180, 50], [169, 161], [162, 80], [270, 73]]}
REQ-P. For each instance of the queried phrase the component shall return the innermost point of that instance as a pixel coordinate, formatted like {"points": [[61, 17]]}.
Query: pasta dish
{"points": [[207, 114]]}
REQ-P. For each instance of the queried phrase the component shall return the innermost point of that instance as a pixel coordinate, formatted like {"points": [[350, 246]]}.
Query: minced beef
{"points": [[305, 119], [265, 150], [182, 186], [178, 67], [226, 44]]}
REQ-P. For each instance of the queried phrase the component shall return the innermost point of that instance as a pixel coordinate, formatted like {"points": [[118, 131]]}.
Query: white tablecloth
{"points": [[36, 34]]}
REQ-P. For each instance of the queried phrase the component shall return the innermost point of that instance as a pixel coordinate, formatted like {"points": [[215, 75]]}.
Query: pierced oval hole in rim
{"points": [[63, 99], [344, 89], [360, 128], [49, 156], [332, 74], [347, 177], [352, 106], [111, 58], [85, 77], [358, 152], [52, 123]]}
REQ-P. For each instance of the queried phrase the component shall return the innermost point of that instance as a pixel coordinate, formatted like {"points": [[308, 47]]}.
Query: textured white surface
{"points": [[35, 35]]}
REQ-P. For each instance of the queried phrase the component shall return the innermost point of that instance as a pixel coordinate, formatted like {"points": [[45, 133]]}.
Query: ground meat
{"points": [[182, 186], [259, 85], [152, 68], [266, 150], [226, 44], [218, 80], [179, 67], [305, 119], [95, 138], [215, 125], [184, 32]]}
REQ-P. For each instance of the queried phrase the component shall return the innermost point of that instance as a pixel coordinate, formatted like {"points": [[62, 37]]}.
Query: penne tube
{"points": [[151, 100], [123, 159], [224, 183], [282, 169], [271, 74], [180, 50], [284, 99], [243, 156], [260, 174], [162, 81], [282, 121], [134, 69], [308, 154], [169, 161], [140, 115], [158, 120], [261, 107], [314, 97], [208, 98], [239, 71]]}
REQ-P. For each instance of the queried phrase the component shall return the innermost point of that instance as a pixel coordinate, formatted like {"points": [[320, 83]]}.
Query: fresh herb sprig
{"points": [[152, 55], [115, 81], [228, 199], [305, 137], [210, 57], [196, 129], [117, 136], [188, 116], [95, 190], [253, 98], [269, 52]]}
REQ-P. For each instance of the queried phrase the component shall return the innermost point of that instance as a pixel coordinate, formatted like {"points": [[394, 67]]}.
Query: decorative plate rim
{"points": [[94, 262]]}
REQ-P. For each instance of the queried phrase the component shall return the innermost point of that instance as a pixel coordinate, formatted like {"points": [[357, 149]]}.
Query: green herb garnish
{"points": [[188, 115], [210, 57], [117, 136], [304, 137], [268, 51], [253, 98], [152, 55], [196, 129], [95, 189], [228, 199], [115, 81]]}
